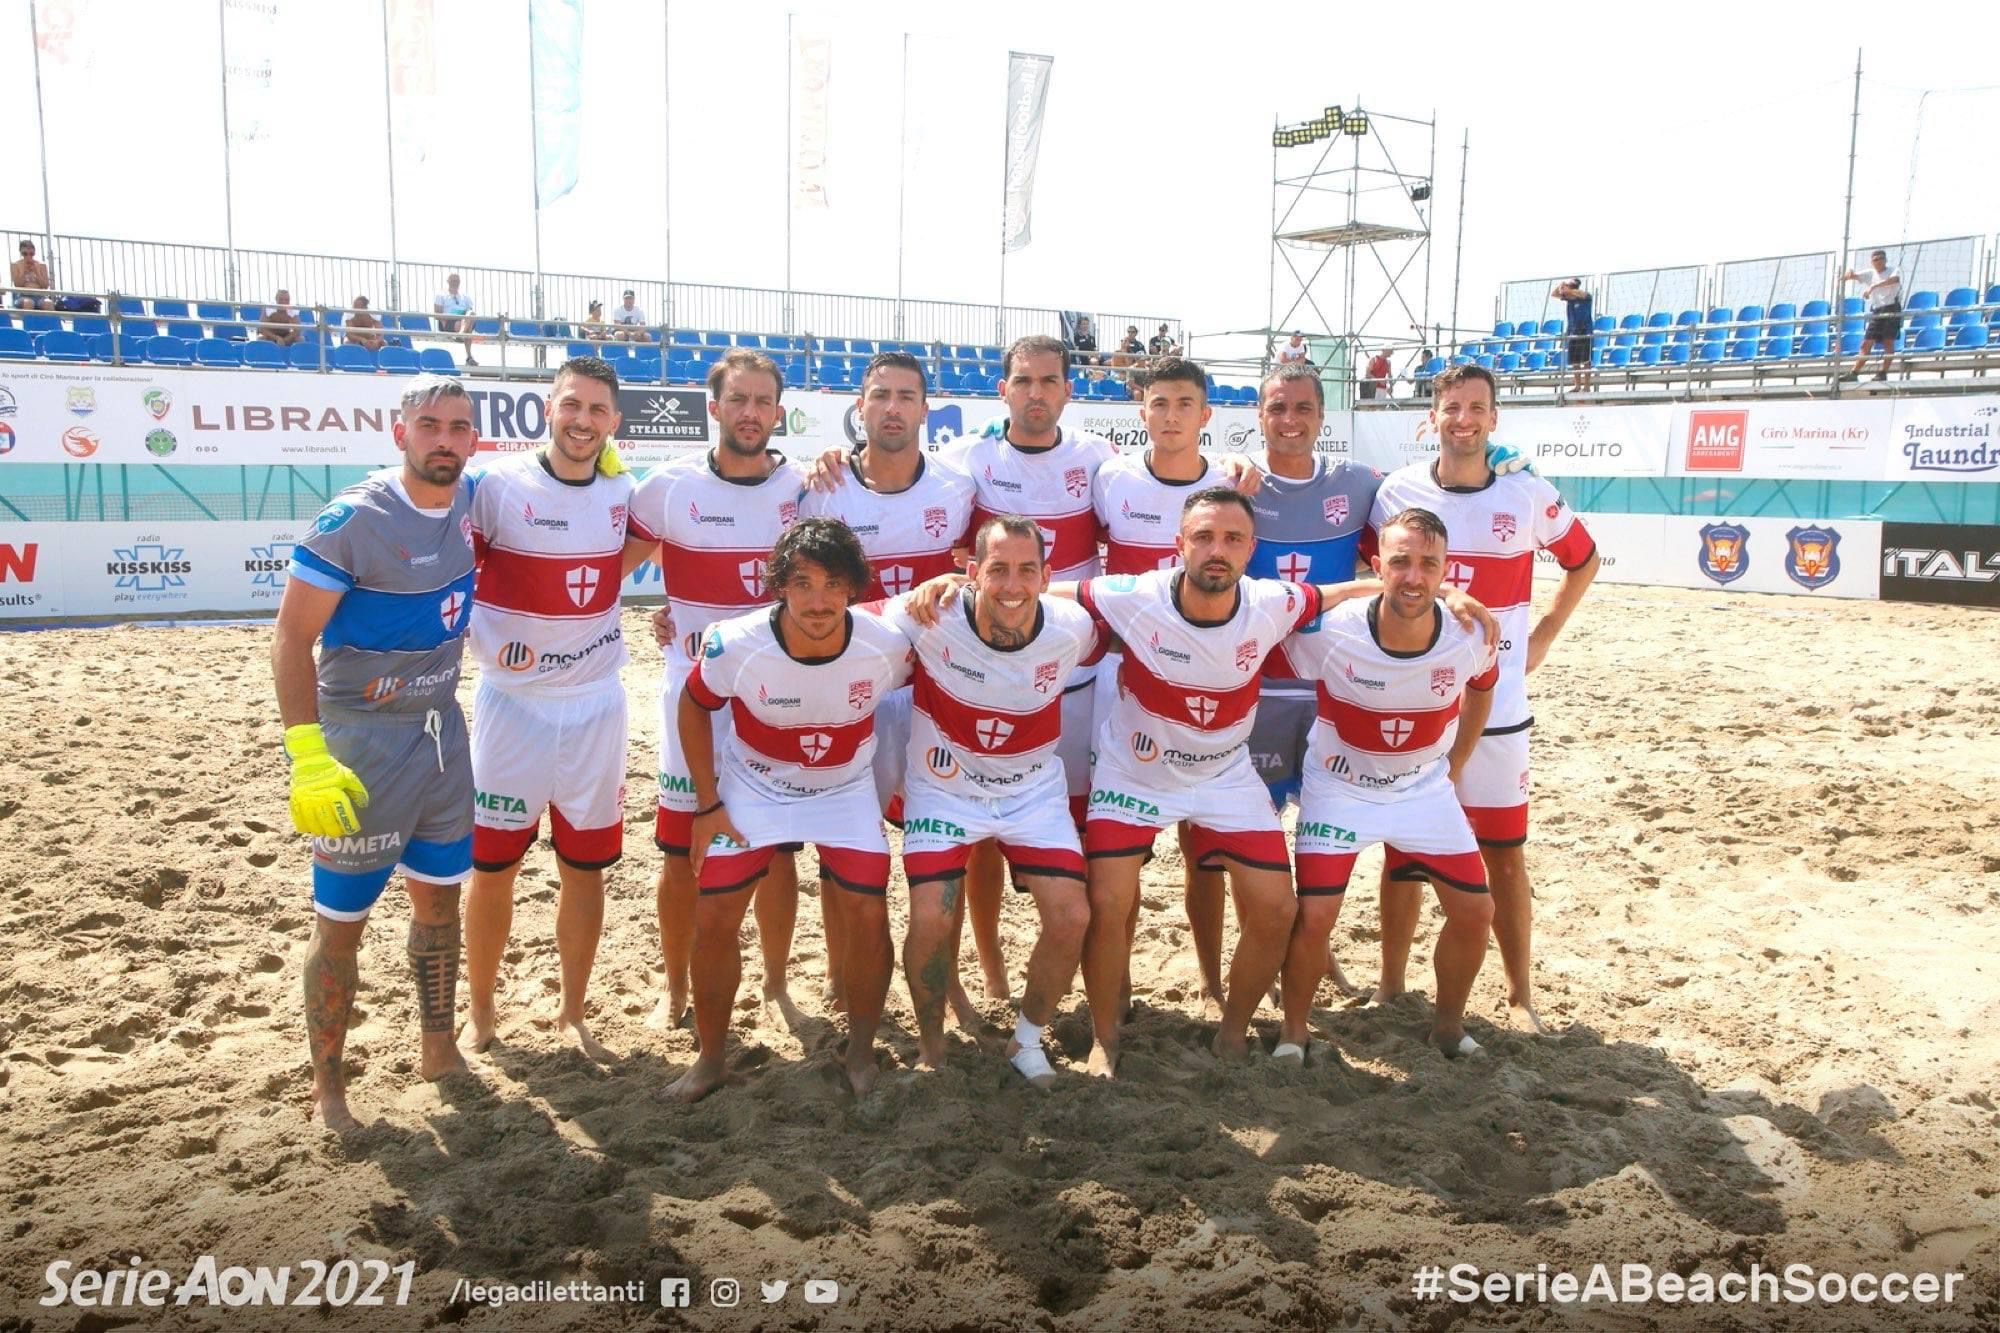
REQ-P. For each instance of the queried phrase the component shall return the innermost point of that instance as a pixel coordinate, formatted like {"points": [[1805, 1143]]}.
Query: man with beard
{"points": [[711, 522], [381, 771]]}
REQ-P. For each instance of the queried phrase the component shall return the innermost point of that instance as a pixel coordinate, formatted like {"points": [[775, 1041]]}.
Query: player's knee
{"points": [[1466, 909], [1317, 914], [1065, 915], [1267, 909]]}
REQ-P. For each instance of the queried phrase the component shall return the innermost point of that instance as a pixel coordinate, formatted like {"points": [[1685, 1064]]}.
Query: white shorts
{"points": [[1230, 815], [844, 825], [1493, 788], [892, 743], [1034, 830], [676, 793], [563, 752], [1427, 834]]}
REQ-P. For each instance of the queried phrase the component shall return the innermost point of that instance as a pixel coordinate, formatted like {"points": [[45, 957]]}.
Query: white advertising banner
{"points": [[31, 571], [1846, 441], [1631, 548], [1836, 558], [1594, 441], [1945, 439]]}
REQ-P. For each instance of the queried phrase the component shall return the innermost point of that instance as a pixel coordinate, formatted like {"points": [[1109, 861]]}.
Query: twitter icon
{"points": [[773, 1291]]}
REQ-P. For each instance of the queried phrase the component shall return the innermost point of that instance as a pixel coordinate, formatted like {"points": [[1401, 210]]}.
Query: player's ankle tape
{"points": [[1029, 1035]]}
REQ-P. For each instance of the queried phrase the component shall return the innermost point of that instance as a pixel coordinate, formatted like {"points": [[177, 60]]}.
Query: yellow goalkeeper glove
{"points": [[609, 464], [324, 790]]}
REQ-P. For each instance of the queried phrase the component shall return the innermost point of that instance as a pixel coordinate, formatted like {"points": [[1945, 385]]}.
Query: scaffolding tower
{"points": [[1348, 236]]}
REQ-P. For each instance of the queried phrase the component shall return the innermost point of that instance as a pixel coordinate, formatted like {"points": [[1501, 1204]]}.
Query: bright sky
{"points": [[1601, 138]]}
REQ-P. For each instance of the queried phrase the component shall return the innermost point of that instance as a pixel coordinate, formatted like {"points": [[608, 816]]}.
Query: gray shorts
{"points": [[418, 819], [1278, 738]]}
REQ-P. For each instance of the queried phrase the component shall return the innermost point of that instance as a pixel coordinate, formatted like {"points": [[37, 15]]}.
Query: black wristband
{"points": [[711, 810]]}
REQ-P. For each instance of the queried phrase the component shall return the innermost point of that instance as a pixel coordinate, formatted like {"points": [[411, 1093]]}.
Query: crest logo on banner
{"points": [[1812, 556], [1725, 551]]}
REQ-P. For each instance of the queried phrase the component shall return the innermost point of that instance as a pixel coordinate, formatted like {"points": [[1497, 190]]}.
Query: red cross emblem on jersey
{"points": [[1201, 708], [1396, 730], [1169, 562], [992, 732], [1048, 541], [1504, 526], [751, 572], [860, 693], [934, 520], [896, 579], [1459, 575], [1335, 508], [1045, 677], [1076, 481], [451, 608], [814, 745], [1442, 680], [581, 584], [1294, 566], [1246, 654]]}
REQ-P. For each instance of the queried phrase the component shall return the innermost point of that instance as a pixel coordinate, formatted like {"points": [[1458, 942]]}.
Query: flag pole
{"points": [[42, 138], [902, 179], [1006, 147], [789, 186], [667, 147], [389, 133], [535, 156], [228, 193]]}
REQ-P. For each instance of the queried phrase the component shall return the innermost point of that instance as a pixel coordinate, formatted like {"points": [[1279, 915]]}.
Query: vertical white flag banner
{"points": [[555, 37], [413, 79], [252, 35], [812, 72], [1027, 99]]}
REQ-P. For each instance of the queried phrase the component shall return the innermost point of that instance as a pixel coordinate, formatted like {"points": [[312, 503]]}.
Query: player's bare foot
{"points": [[477, 1034], [996, 984], [930, 1052], [963, 1010], [441, 1057], [1523, 1016], [1342, 984], [669, 1013], [1103, 1061], [862, 1071], [1290, 1052], [576, 1034], [778, 1008], [1233, 1049], [1033, 1062], [703, 1077], [331, 1108]]}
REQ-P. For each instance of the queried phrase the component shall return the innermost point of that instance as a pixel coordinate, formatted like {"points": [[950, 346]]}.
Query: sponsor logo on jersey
{"points": [[1505, 526], [1396, 731], [751, 575], [788, 512], [1144, 748], [1076, 480], [769, 700], [1187, 757], [581, 584], [465, 528], [1443, 680], [1118, 800], [451, 610], [970, 673], [415, 561], [82, 400], [1000, 483], [1246, 655], [992, 732], [712, 645], [157, 402], [814, 745], [940, 762], [1335, 509], [1812, 556], [618, 519], [79, 442], [1365, 682], [552, 524], [516, 656], [698, 518], [333, 517], [500, 803], [1045, 677], [935, 519], [1171, 654], [1337, 765], [691, 644], [1553, 509], [1327, 832], [1140, 515], [1122, 583], [860, 693], [943, 828], [1725, 551], [362, 844], [382, 689]]}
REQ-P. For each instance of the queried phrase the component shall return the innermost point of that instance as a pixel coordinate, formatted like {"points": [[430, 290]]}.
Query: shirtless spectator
{"points": [[29, 275], [280, 323], [363, 319]]}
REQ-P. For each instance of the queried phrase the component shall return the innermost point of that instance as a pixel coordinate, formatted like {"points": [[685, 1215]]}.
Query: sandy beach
{"points": [[1767, 859]]}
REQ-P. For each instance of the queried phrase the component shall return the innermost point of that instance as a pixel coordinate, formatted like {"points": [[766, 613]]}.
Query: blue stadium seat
{"points": [[6, 320], [1850, 343], [215, 312], [1922, 301], [138, 328], [40, 321], [169, 351], [861, 346], [1774, 349], [590, 349], [1484, 361], [1816, 328], [1749, 314], [306, 356], [16, 345], [715, 339], [1649, 355], [1632, 322], [1720, 315], [1969, 335], [523, 328], [221, 353], [1814, 347], [1503, 329], [354, 359], [89, 325], [170, 309], [397, 361], [1959, 317], [261, 355], [1709, 352], [1556, 358], [1679, 354], [1992, 294], [1688, 317], [1659, 319], [1784, 310], [1618, 357], [684, 338], [1741, 349], [1713, 334], [437, 361], [639, 370], [1852, 305], [1926, 319], [486, 328], [409, 323], [1816, 310], [829, 344], [1685, 333], [129, 349], [1507, 363], [1534, 361], [1929, 339], [185, 328], [62, 345]]}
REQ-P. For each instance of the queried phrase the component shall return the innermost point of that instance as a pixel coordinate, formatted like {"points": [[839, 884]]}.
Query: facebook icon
{"points": [[676, 1292]]}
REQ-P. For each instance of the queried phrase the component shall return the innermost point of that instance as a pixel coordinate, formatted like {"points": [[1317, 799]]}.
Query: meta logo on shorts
{"points": [[814, 745], [334, 517], [1443, 679], [516, 656], [1327, 832], [1045, 677], [860, 693], [1076, 481], [1812, 556], [1118, 800], [940, 762], [365, 844], [1144, 748], [1725, 551], [1335, 509], [499, 803], [1715, 441]]}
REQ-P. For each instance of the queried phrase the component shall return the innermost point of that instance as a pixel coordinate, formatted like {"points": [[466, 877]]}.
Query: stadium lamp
{"points": [[1332, 116], [1419, 193], [1356, 124]]}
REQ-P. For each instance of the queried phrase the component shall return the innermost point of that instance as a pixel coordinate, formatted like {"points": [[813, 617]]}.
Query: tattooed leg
{"points": [[332, 972], [930, 959], [434, 951]]}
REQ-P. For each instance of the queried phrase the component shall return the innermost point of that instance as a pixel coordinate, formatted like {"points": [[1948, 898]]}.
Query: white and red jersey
{"points": [[1049, 485], [545, 606], [907, 535], [1493, 532], [985, 721], [1187, 691], [800, 727], [715, 534], [1386, 720], [1141, 513]]}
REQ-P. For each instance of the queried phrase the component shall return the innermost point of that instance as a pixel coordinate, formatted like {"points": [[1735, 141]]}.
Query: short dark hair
{"points": [[826, 542], [1452, 376], [1287, 371], [590, 368], [1175, 370], [1011, 525], [1034, 345], [1220, 495], [897, 361], [1882, 255], [743, 358], [1418, 520]]}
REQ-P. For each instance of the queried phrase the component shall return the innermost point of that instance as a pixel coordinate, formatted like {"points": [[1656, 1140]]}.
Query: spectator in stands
{"points": [[1884, 295], [1375, 379], [363, 319], [279, 324], [1295, 351], [1579, 314], [1420, 386], [592, 326], [454, 311], [1084, 342], [28, 275], [630, 321], [1163, 344]]}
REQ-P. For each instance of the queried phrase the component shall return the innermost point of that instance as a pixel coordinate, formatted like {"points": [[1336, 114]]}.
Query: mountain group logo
{"points": [[1144, 748], [79, 442], [516, 656], [157, 402], [941, 762], [1725, 551], [1812, 556]]}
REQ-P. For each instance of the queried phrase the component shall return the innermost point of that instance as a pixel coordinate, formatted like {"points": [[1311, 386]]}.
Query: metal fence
{"points": [[1925, 266], [212, 273], [1642, 291], [1528, 298], [1774, 281]]}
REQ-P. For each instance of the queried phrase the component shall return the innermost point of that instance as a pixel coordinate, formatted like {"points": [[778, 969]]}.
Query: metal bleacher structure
{"points": [[819, 340], [1775, 327]]}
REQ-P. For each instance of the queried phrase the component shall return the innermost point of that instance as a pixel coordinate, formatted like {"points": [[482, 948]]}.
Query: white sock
{"points": [[1029, 1035]]}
